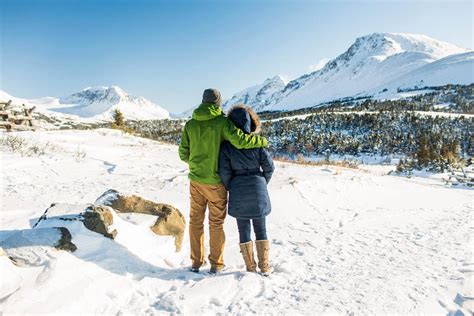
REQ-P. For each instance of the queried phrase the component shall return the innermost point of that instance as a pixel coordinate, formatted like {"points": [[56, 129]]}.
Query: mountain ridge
{"points": [[97, 102], [372, 61], [258, 94]]}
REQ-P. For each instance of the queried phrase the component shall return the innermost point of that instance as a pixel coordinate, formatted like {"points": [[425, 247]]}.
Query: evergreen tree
{"points": [[119, 119], [423, 153]]}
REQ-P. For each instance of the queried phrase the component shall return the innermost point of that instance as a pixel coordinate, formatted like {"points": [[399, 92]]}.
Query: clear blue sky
{"points": [[169, 51]]}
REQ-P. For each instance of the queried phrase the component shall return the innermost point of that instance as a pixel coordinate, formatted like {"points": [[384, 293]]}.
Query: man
{"points": [[199, 147]]}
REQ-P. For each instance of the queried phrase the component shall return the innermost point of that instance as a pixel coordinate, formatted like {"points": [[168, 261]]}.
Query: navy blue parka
{"points": [[246, 172]]}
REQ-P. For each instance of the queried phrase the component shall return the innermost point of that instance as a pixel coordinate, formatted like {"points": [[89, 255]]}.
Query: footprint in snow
{"points": [[215, 301], [110, 167]]}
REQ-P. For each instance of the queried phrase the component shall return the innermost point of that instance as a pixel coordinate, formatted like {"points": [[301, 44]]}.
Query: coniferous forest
{"points": [[410, 128]]}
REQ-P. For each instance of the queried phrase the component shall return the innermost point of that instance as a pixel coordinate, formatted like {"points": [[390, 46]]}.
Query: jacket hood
{"points": [[207, 111], [245, 118]]}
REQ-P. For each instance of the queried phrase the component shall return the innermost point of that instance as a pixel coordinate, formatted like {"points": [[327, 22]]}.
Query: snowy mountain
{"points": [[258, 96], [97, 103], [101, 102], [373, 61], [457, 68], [185, 114]]}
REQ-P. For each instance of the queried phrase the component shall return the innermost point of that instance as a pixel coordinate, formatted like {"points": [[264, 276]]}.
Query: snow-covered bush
{"points": [[14, 143], [168, 131], [37, 149], [79, 154], [28, 147]]}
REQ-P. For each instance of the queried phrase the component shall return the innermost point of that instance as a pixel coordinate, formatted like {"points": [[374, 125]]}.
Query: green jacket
{"points": [[201, 141]]}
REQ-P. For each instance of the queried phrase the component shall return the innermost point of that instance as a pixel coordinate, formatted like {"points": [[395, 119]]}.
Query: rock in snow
{"points": [[99, 219], [62, 212], [170, 221], [27, 247]]}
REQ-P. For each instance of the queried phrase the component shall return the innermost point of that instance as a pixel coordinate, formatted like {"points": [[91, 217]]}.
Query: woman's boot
{"points": [[263, 249], [246, 249]]}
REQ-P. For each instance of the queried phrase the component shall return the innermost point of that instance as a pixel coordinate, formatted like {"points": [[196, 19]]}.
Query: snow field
{"points": [[342, 240]]}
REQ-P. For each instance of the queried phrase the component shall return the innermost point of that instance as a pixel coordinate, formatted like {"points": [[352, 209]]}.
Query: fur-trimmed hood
{"points": [[245, 118]]}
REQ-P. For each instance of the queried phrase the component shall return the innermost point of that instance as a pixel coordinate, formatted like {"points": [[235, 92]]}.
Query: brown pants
{"points": [[215, 197]]}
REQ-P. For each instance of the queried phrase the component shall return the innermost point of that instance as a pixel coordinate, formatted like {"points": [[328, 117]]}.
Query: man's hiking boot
{"points": [[215, 270], [246, 249], [263, 249], [195, 269]]}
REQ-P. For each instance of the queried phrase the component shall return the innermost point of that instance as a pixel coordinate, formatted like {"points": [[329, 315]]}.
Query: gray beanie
{"points": [[212, 96]]}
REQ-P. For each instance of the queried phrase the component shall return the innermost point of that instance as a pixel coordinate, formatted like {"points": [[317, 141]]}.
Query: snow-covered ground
{"points": [[342, 240]]}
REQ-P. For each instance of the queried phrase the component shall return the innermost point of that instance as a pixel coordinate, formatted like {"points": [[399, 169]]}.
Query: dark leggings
{"points": [[259, 228]]}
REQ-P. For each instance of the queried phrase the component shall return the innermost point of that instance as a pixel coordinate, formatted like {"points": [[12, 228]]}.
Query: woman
{"points": [[245, 174]]}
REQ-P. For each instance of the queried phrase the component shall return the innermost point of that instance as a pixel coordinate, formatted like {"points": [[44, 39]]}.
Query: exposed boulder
{"points": [[99, 219], [60, 211], [170, 221], [29, 247], [95, 218], [65, 240]]}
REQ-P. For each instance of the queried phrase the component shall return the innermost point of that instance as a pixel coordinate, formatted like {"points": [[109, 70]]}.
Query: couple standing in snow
{"points": [[225, 154]]}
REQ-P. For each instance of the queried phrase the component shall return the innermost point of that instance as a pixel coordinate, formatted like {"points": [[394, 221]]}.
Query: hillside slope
{"points": [[457, 69], [258, 96], [372, 62]]}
